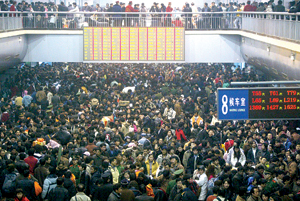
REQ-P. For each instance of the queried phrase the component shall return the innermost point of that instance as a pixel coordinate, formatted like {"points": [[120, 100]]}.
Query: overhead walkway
{"points": [[270, 41]]}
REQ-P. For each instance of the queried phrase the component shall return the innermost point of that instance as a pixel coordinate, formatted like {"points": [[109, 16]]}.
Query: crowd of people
{"points": [[190, 21], [82, 132]]}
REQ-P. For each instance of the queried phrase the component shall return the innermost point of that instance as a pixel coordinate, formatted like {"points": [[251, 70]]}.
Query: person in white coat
{"points": [[235, 155], [201, 178]]}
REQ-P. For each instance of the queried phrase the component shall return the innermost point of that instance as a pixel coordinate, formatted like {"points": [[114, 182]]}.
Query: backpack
{"points": [[196, 189], [9, 184], [149, 190]]}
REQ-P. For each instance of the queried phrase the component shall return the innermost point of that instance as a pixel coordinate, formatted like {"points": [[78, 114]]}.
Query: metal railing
{"points": [[285, 25], [282, 25]]}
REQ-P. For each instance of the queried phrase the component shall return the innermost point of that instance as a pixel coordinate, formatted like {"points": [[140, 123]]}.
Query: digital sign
{"points": [[133, 44], [259, 103]]}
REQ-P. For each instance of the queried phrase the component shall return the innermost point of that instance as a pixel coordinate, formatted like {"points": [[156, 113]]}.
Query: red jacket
{"points": [[129, 8], [178, 23], [248, 8], [179, 133], [169, 9], [12, 8], [31, 161], [4, 117], [22, 199]]}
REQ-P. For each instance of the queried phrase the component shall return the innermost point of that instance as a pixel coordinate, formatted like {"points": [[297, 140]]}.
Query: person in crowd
{"points": [[80, 195], [70, 145], [115, 195]]}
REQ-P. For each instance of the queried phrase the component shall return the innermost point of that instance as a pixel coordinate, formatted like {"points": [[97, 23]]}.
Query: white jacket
{"points": [[233, 160], [202, 182], [75, 10], [169, 113]]}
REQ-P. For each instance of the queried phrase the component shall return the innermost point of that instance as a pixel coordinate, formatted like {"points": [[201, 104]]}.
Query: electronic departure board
{"points": [[259, 103], [133, 44]]}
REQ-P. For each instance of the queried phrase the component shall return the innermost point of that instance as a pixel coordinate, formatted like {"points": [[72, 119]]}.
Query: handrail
{"points": [[161, 13]]}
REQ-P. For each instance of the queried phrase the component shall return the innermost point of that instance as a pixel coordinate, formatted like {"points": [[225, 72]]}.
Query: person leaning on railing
{"points": [[296, 8], [128, 18]]}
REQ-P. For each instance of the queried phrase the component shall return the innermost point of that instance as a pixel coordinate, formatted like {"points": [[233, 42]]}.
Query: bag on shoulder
{"points": [[10, 184]]}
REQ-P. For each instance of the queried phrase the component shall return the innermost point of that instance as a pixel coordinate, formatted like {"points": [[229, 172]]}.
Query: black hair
{"points": [[60, 181], [116, 186]]}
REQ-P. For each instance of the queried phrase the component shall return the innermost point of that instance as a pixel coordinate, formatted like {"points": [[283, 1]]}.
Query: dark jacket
{"points": [[102, 193], [95, 177], [237, 182], [59, 193], [41, 173], [279, 8], [116, 8], [188, 195], [63, 136], [127, 195], [192, 163], [114, 196], [296, 9], [69, 185], [144, 197], [27, 185], [250, 155]]}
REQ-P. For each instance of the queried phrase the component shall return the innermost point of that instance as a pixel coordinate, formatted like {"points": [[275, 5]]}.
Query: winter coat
{"points": [[41, 173], [27, 100], [192, 163], [127, 195], [59, 193], [188, 195], [180, 135], [154, 167], [115, 174], [63, 136], [202, 183], [49, 184], [233, 160], [27, 185], [80, 196], [114, 197], [144, 197], [69, 185]]}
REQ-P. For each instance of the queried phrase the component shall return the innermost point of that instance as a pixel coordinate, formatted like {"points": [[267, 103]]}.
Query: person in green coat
{"points": [[172, 183]]}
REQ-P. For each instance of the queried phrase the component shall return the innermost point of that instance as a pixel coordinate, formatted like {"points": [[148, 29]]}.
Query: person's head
{"points": [[226, 183], [117, 188], [195, 151], [113, 161], [260, 169], [60, 181], [265, 196], [151, 157], [31, 152], [80, 187], [242, 191], [254, 192], [19, 193], [179, 183]]}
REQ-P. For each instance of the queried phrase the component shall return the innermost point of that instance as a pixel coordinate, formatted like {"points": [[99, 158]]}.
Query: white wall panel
{"points": [[198, 48]]}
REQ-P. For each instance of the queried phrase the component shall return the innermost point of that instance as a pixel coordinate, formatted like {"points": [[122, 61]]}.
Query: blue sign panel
{"points": [[233, 104]]}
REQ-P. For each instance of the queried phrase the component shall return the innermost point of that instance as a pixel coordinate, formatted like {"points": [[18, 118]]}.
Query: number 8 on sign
{"points": [[224, 104]]}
